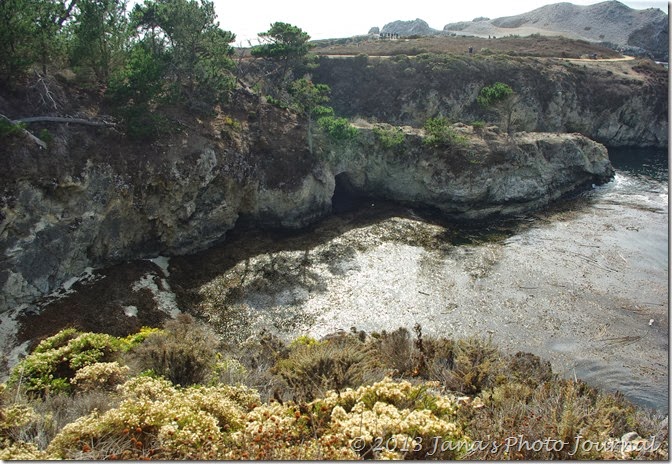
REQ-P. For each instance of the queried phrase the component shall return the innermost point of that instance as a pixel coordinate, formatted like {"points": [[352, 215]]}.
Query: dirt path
{"points": [[598, 60], [624, 58]]}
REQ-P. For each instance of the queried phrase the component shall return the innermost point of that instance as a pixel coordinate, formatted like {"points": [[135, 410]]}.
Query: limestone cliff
{"points": [[95, 198]]}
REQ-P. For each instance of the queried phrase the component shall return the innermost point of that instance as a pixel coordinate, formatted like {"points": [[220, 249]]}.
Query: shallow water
{"points": [[583, 284]]}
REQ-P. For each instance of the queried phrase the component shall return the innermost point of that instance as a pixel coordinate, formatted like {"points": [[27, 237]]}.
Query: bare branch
{"points": [[64, 120], [41, 143]]}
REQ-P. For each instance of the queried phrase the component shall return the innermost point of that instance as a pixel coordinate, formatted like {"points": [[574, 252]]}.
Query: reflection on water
{"points": [[583, 284]]}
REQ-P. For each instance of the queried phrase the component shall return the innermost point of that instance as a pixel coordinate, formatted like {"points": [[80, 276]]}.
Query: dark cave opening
{"points": [[345, 198]]}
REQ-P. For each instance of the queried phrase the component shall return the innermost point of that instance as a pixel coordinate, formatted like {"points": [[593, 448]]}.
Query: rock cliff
{"points": [[614, 103], [96, 199], [482, 173]]}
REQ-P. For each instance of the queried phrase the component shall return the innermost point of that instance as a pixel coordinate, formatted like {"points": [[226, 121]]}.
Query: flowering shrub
{"points": [[390, 412], [159, 420], [105, 376], [20, 451], [151, 417], [12, 418]]}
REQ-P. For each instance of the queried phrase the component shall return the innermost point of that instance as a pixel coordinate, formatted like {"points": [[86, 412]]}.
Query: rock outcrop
{"points": [[94, 201], [480, 174], [626, 106], [409, 28]]}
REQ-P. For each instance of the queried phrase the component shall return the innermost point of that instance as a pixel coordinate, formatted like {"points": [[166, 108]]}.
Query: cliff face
{"points": [[617, 104], [95, 199], [482, 173]]}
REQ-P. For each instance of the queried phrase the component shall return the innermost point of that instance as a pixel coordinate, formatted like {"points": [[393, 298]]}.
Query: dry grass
{"points": [[542, 46]]}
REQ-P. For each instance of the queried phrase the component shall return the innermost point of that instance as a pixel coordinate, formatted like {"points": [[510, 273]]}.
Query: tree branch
{"points": [[41, 143], [62, 120]]}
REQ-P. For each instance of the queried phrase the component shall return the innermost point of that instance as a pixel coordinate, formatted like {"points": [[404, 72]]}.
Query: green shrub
{"points": [[389, 137], [7, 129], [338, 129], [54, 363], [438, 133], [184, 352], [493, 94], [313, 368]]}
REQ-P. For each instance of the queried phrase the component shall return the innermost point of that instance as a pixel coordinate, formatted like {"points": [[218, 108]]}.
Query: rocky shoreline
{"points": [[186, 200]]}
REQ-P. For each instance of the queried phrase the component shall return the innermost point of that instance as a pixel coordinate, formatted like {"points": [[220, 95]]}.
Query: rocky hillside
{"points": [[636, 32], [95, 197], [620, 103]]}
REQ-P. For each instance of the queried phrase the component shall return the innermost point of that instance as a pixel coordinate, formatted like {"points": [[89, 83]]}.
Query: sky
{"points": [[324, 19]]}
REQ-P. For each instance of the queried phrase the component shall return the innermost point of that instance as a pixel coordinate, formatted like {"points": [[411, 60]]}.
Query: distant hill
{"points": [[635, 32], [644, 32]]}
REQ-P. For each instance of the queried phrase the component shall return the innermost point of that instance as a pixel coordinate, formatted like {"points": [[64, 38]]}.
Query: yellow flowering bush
{"points": [[392, 419], [284, 432], [20, 451], [12, 418], [156, 419], [387, 420], [103, 376]]}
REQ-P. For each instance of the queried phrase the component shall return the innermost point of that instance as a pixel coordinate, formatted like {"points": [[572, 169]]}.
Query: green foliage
{"points": [[323, 111], [56, 360], [309, 96], [339, 129], [285, 42], [132, 340], [502, 99], [277, 102], [184, 353], [438, 133], [389, 138], [31, 31], [494, 94], [140, 82], [143, 123], [286, 48], [313, 368], [478, 124], [187, 34], [100, 36], [8, 129]]}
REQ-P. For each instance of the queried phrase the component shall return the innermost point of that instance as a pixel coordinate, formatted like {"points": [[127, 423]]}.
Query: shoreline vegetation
{"points": [[154, 100], [180, 393]]}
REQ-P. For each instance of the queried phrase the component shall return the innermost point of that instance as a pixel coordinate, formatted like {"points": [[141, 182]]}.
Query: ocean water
{"points": [[583, 284]]}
